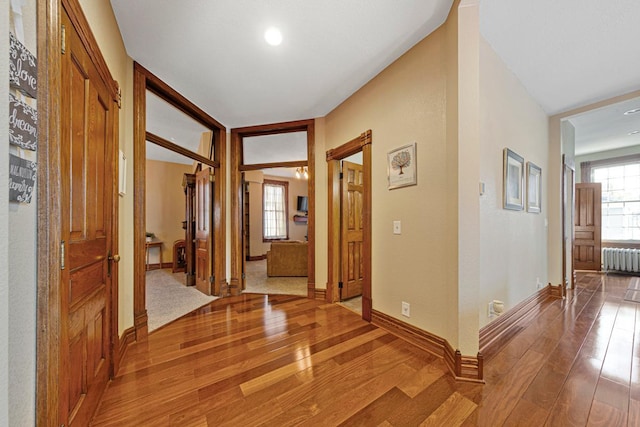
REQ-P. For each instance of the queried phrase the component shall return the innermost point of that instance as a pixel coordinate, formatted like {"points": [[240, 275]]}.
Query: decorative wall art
{"points": [[22, 179], [23, 124], [513, 181], [534, 188], [23, 68], [402, 167]]}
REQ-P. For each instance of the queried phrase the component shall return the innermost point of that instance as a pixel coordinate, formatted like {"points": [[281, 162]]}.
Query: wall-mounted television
{"points": [[303, 204]]}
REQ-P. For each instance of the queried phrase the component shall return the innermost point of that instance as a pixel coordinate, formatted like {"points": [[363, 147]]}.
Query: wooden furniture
{"points": [[179, 256], [189, 225], [150, 245]]}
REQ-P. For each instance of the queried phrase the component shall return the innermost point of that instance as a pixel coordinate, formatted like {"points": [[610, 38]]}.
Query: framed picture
{"points": [[534, 188], [401, 166], [513, 181]]}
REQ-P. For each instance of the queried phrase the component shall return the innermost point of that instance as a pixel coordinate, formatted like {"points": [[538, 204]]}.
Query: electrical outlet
{"points": [[490, 311], [406, 309]]}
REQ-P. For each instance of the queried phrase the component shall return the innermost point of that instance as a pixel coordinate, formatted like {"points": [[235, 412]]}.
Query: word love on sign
{"points": [[22, 179], [23, 68], [23, 124]]}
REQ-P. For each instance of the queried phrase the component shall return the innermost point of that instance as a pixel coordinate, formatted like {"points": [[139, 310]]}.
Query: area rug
{"points": [[168, 298]]}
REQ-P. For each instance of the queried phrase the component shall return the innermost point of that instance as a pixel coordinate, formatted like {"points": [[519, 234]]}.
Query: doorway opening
{"points": [[260, 156], [349, 222], [208, 213]]}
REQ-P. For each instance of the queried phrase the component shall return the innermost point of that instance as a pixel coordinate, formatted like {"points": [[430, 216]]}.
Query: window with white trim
{"points": [[274, 210], [620, 179]]}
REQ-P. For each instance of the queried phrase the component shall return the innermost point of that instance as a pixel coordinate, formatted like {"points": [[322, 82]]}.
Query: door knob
{"points": [[115, 258]]}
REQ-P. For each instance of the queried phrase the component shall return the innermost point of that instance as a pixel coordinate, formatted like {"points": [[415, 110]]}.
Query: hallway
{"points": [[285, 360]]}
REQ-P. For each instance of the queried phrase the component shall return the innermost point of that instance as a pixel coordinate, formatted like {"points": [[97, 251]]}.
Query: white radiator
{"points": [[619, 259]]}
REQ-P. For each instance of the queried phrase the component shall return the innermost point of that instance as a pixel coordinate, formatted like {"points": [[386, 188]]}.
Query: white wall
{"points": [[21, 269], [4, 224], [513, 251]]}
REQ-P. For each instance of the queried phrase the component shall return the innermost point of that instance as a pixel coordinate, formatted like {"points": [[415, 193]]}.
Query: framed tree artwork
{"points": [[534, 188], [513, 181], [401, 166]]}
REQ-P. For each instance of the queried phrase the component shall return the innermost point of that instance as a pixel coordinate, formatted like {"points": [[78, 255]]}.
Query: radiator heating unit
{"points": [[619, 259]]}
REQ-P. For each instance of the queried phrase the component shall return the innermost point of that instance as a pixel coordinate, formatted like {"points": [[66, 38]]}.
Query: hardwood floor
{"points": [[285, 360]]}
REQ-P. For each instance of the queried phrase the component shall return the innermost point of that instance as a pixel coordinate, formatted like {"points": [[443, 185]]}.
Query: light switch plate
{"points": [[397, 227]]}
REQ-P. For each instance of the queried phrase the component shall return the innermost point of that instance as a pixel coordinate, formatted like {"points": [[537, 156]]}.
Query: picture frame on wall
{"points": [[534, 188], [401, 166], [513, 180]]}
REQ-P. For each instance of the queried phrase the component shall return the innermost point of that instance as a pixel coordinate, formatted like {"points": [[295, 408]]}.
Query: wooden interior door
{"points": [[587, 227], [351, 230], [189, 184], [88, 118], [204, 235]]}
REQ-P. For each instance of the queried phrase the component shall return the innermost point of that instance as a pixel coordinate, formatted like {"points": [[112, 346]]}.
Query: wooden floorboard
{"points": [[285, 360]]}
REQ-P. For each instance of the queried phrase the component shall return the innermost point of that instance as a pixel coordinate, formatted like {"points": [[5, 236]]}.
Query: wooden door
{"points": [[88, 118], [587, 227], [204, 236], [351, 230]]}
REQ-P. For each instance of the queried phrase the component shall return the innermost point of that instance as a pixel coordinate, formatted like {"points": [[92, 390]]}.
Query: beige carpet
{"points": [[258, 282], [353, 304], [168, 298]]}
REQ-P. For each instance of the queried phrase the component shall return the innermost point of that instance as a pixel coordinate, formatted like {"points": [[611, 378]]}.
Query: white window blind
{"points": [[274, 210]]}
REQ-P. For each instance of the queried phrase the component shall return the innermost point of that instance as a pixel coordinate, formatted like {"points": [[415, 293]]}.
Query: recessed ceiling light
{"points": [[633, 111], [634, 132], [273, 36]]}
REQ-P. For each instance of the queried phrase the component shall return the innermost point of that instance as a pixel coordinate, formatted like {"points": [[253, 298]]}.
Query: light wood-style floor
{"points": [[285, 360]]}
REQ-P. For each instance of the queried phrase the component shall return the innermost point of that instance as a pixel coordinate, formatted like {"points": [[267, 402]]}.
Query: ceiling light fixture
{"points": [[632, 111], [273, 36], [302, 172]]}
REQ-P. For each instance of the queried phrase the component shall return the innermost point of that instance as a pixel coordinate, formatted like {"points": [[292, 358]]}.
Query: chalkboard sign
{"points": [[23, 124], [23, 68], [22, 179]]}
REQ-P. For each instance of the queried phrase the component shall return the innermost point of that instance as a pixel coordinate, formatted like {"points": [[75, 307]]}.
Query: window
{"points": [[620, 179], [274, 210]]}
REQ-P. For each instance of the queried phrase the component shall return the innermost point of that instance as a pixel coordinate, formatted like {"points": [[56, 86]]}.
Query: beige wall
{"points": [[165, 205], [513, 251], [405, 103], [105, 29]]}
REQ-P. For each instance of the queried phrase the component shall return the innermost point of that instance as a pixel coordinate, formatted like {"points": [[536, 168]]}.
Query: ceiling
{"points": [[566, 53], [572, 53]]}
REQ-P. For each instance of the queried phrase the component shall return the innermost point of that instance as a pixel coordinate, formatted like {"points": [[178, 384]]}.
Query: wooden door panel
{"points": [[587, 227], [87, 159], [204, 237], [351, 211]]}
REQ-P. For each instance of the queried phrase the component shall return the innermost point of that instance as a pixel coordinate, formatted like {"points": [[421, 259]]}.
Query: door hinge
{"points": [[62, 255], [212, 279], [63, 40], [212, 178], [341, 175], [340, 285], [244, 276]]}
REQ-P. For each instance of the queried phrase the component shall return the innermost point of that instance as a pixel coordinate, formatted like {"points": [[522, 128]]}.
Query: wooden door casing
{"points": [[204, 237], [587, 227], [88, 117], [351, 230]]}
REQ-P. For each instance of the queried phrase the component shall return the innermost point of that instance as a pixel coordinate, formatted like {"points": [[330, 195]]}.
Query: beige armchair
{"points": [[287, 258]]}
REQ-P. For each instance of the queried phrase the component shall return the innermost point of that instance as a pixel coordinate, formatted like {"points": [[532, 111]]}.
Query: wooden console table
{"points": [[153, 244]]}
